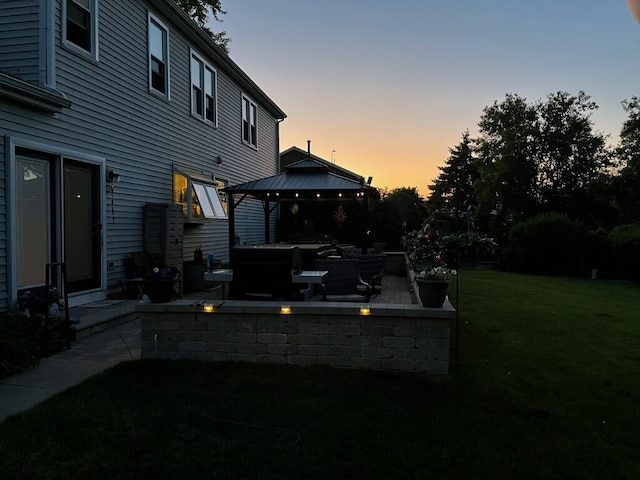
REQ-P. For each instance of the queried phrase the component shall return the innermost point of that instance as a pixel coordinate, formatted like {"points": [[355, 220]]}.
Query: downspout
{"points": [[267, 227]]}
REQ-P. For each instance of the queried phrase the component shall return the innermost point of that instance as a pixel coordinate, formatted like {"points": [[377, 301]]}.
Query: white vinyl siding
{"points": [[20, 30], [140, 137]]}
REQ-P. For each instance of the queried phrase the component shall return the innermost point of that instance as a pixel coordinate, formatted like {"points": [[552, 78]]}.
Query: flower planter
{"points": [[159, 291], [432, 293]]}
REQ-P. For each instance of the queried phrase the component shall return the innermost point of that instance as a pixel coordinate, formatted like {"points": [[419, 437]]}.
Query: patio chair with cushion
{"points": [[343, 282], [371, 270]]}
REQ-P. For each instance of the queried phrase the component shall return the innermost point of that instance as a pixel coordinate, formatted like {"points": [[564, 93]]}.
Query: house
{"points": [[109, 106]]}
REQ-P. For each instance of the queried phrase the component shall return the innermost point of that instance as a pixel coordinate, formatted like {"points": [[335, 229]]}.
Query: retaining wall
{"points": [[391, 337]]}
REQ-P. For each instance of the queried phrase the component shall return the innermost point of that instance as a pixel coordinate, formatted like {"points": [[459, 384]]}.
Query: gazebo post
{"points": [[267, 230], [367, 230]]}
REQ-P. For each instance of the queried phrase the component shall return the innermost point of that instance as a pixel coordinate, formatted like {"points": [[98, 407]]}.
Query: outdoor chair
{"points": [[138, 266], [343, 282], [371, 268]]}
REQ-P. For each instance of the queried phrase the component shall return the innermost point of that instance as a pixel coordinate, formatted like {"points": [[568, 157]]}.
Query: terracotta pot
{"points": [[432, 293]]}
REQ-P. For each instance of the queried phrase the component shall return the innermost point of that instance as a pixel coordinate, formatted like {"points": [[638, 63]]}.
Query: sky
{"points": [[386, 88]]}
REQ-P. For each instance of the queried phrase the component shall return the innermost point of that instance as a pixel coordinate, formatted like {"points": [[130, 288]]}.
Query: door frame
{"points": [[13, 143]]}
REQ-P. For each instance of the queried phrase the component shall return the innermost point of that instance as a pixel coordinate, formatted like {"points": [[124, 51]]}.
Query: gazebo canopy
{"points": [[306, 180]]}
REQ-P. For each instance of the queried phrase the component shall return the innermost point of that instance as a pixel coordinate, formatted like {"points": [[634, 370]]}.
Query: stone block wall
{"points": [[391, 337]]}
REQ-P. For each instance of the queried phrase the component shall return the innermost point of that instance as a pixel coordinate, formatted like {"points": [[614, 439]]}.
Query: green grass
{"points": [[547, 388]]}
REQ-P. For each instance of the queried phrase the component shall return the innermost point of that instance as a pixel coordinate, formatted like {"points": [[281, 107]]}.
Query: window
{"points": [[249, 122], [203, 90], [200, 200], [80, 26], [158, 57]]}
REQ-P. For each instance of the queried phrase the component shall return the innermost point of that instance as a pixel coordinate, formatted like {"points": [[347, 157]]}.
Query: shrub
{"points": [[625, 244], [551, 244], [19, 344]]}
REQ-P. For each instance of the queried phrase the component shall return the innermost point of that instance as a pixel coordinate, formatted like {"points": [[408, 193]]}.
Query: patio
{"points": [[391, 332]]}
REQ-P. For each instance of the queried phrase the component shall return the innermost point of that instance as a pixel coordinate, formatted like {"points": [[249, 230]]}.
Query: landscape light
{"points": [[285, 309]]}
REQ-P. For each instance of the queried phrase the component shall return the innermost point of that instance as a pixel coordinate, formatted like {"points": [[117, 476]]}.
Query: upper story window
{"points": [[158, 57], [249, 122], [80, 26], [203, 90]]}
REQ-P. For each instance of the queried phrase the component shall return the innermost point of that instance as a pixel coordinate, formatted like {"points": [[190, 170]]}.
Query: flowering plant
{"points": [[423, 246], [38, 300], [436, 273], [162, 273]]}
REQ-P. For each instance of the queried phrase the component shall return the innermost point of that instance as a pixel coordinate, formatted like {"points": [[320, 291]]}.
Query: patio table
{"points": [[224, 275], [311, 278]]}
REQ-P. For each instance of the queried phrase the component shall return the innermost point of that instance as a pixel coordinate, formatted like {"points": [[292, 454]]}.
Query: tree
{"points": [[541, 157], [507, 150], [454, 187], [199, 11], [400, 211], [628, 151], [571, 157]]}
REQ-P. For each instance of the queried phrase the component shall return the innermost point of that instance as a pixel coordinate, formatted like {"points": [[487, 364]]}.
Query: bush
{"points": [[19, 344], [625, 244], [551, 244]]}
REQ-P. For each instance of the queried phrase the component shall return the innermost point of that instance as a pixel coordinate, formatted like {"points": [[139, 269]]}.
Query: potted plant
{"points": [[35, 301], [160, 284], [433, 284]]}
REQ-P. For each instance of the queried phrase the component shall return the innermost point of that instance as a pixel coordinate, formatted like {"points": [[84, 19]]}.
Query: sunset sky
{"points": [[385, 88]]}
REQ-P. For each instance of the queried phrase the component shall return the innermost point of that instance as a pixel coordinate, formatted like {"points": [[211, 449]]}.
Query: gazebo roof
{"points": [[304, 179]]}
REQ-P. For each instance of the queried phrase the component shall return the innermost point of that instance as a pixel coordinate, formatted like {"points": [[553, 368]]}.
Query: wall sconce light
{"points": [[286, 309], [365, 309], [219, 160], [113, 177], [208, 308]]}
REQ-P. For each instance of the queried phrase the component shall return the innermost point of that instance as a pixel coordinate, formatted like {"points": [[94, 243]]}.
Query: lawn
{"points": [[547, 388]]}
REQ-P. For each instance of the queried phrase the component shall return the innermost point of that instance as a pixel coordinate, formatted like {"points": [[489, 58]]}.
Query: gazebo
{"points": [[304, 181]]}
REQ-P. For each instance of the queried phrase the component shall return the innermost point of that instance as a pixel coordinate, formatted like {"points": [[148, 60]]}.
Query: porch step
{"points": [[89, 319]]}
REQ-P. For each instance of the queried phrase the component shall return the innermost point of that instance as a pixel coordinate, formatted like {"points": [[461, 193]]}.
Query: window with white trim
{"points": [[204, 96], [158, 57], [80, 26], [249, 122], [200, 199]]}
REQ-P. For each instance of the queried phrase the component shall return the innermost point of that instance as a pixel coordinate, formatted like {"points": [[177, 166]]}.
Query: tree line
{"points": [[543, 159], [540, 180]]}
